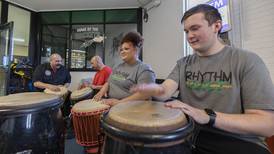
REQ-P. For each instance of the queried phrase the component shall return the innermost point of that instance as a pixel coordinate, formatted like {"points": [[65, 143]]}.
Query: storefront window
{"points": [[114, 34], [121, 16], [21, 30], [79, 35], [87, 17], [55, 17], [87, 41], [54, 40]]}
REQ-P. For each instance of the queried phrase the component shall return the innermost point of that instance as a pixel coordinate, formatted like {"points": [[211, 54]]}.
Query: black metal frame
{"points": [[8, 26], [34, 29], [4, 12]]}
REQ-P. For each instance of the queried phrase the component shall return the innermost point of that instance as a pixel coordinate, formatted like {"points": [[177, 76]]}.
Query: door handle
{"points": [[5, 61]]}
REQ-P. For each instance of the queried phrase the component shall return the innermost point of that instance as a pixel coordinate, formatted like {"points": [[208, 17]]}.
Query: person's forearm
{"points": [[41, 85], [165, 91], [97, 87], [160, 93], [258, 122], [104, 88], [255, 122]]}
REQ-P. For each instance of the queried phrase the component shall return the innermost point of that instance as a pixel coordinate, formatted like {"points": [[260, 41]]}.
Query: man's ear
{"points": [[217, 26]]}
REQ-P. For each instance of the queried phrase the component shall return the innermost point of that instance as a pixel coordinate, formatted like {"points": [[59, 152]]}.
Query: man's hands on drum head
{"points": [[99, 96], [93, 86], [54, 88], [198, 115]]}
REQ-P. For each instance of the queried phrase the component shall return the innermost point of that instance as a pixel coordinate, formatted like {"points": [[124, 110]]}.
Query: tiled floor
{"points": [[71, 147]]}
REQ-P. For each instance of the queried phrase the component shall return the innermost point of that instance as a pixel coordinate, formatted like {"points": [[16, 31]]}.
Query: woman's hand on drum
{"points": [[111, 101], [198, 115]]}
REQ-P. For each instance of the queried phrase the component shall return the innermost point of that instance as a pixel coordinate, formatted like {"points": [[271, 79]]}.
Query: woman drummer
{"points": [[128, 73]]}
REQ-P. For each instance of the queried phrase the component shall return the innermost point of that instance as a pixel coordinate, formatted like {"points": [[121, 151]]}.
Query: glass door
{"points": [[6, 47]]}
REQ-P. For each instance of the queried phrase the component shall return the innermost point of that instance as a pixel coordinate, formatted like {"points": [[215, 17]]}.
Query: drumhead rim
{"points": [[145, 116], [173, 135], [27, 108], [80, 106], [81, 97], [87, 91]]}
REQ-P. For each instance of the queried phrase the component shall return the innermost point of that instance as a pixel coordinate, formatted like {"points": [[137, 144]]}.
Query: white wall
{"points": [[163, 37], [258, 30], [21, 19]]}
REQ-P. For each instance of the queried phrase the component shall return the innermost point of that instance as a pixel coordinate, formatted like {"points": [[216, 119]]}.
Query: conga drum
{"points": [[86, 115], [146, 127], [62, 93], [79, 95], [31, 123]]}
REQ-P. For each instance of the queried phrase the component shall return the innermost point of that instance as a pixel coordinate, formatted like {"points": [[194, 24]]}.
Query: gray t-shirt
{"points": [[230, 81], [124, 76]]}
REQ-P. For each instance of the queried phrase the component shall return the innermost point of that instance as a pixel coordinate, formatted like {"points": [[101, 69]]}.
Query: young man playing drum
{"points": [[227, 91]]}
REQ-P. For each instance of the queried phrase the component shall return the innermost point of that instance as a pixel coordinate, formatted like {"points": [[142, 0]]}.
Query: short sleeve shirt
{"points": [[230, 81], [124, 76], [102, 76]]}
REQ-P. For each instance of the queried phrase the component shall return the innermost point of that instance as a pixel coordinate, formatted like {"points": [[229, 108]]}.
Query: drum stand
{"points": [[96, 149]]}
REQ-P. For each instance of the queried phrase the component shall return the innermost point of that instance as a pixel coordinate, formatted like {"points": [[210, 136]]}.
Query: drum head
{"points": [[62, 92], [89, 105], [78, 94], [29, 101], [145, 117]]}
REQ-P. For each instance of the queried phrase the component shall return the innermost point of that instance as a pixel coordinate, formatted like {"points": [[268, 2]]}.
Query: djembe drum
{"points": [[79, 95], [146, 127], [86, 115], [62, 93], [31, 123]]}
